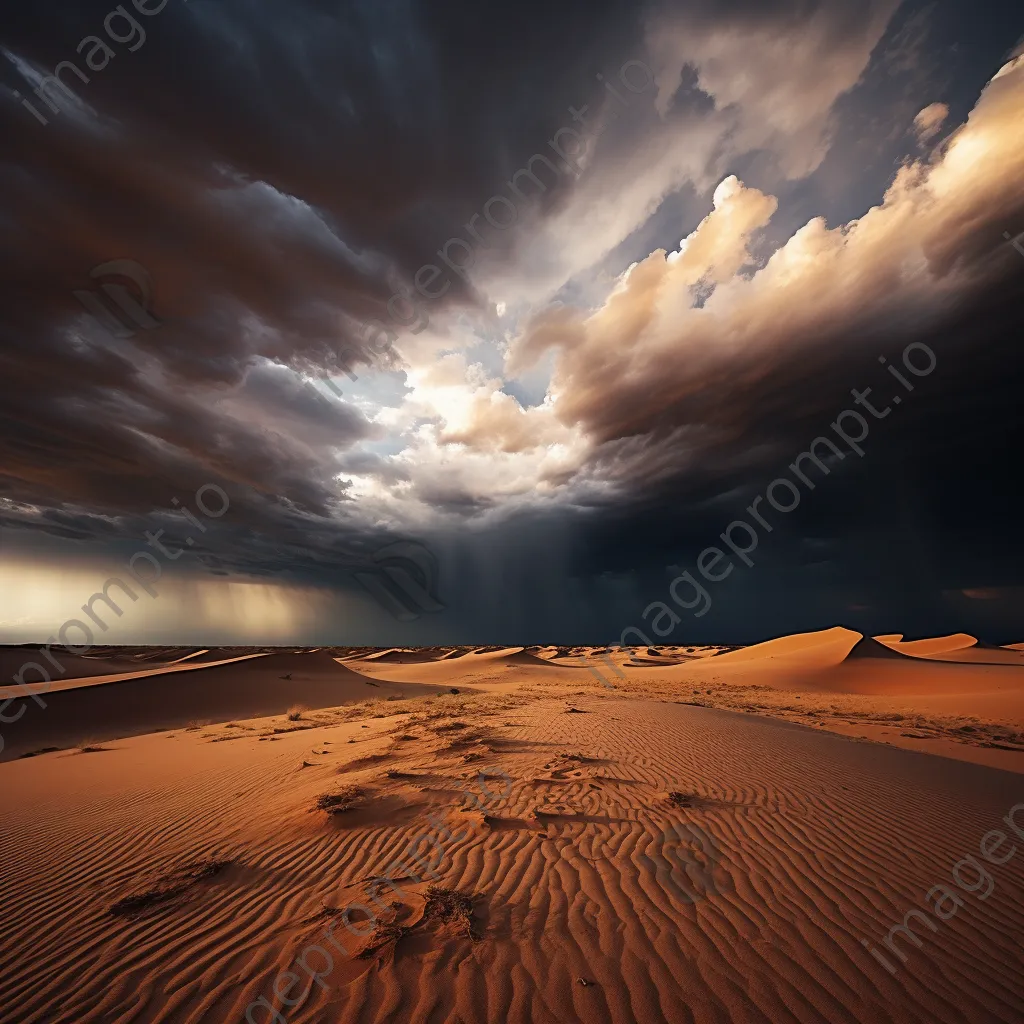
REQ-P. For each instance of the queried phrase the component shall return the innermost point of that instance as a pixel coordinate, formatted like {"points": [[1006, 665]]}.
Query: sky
{"points": [[414, 323]]}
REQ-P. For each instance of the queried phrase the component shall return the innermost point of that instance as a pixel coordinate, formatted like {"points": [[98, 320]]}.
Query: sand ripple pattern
{"points": [[802, 845]]}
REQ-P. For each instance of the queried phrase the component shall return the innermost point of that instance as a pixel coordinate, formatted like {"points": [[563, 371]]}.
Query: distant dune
{"points": [[936, 645], [869, 647], [826, 646], [74, 666], [251, 688], [152, 690], [401, 656]]}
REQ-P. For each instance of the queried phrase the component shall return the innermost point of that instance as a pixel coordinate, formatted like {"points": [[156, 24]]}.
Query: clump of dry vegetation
{"points": [[384, 935], [451, 905], [677, 799], [337, 803], [90, 747], [295, 713]]}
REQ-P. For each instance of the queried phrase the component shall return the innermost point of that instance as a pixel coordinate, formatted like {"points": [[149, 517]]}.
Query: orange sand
{"points": [[593, 896]]}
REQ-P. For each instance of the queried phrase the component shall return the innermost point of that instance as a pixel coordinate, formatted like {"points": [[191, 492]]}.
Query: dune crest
{"points": [[828, 643], [936, 645]]}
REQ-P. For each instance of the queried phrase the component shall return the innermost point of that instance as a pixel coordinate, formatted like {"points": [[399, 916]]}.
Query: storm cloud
{"points": [[793, 190]]}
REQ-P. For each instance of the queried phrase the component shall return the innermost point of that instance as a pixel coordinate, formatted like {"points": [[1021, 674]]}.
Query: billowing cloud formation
{"points": [[765, 70], [929, 121], [683, 331], [721, 83]]}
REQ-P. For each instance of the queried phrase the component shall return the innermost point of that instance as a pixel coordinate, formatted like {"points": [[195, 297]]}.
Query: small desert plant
{"points": [[384, 935], [338, 803], [451, 905], [295, 713]]}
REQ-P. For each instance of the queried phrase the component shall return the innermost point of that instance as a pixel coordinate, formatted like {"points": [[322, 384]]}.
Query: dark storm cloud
{"points": [[279, 169], [933, 505]]}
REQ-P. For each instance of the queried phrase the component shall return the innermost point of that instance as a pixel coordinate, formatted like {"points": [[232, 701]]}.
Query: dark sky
{"points": [[556, 390]]}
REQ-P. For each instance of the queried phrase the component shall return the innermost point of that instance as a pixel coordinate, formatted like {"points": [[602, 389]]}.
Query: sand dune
{"points": [[827, 646], [173, 880], [936, 645], [140, 671], [246, 687], [869, 647], [400, 656], [901, 675], [75, 666], [972, 711], [959, 647], [491, 667], [980, 656], [525, 658]]}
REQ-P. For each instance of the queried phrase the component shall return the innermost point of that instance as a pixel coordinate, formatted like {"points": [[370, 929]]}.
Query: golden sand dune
{"points": [[959, 647], [936, 645], [826, 646], [975, 701], [502, 666], [400, 656], [637, 861]]}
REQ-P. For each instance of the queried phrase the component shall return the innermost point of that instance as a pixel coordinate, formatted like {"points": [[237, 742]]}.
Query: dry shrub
{"points": [[681, 799], [337, 803], [451, 905]]}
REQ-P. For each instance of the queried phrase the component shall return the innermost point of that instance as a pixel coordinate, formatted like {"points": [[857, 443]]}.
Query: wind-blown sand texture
{"points": [[648, 860]]}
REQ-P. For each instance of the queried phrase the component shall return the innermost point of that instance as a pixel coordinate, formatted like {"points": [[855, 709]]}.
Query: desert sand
{"points": [[676, 834]]}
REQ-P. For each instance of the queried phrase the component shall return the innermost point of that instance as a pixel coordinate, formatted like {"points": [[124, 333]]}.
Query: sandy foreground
{"points": [[676, 834]]}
